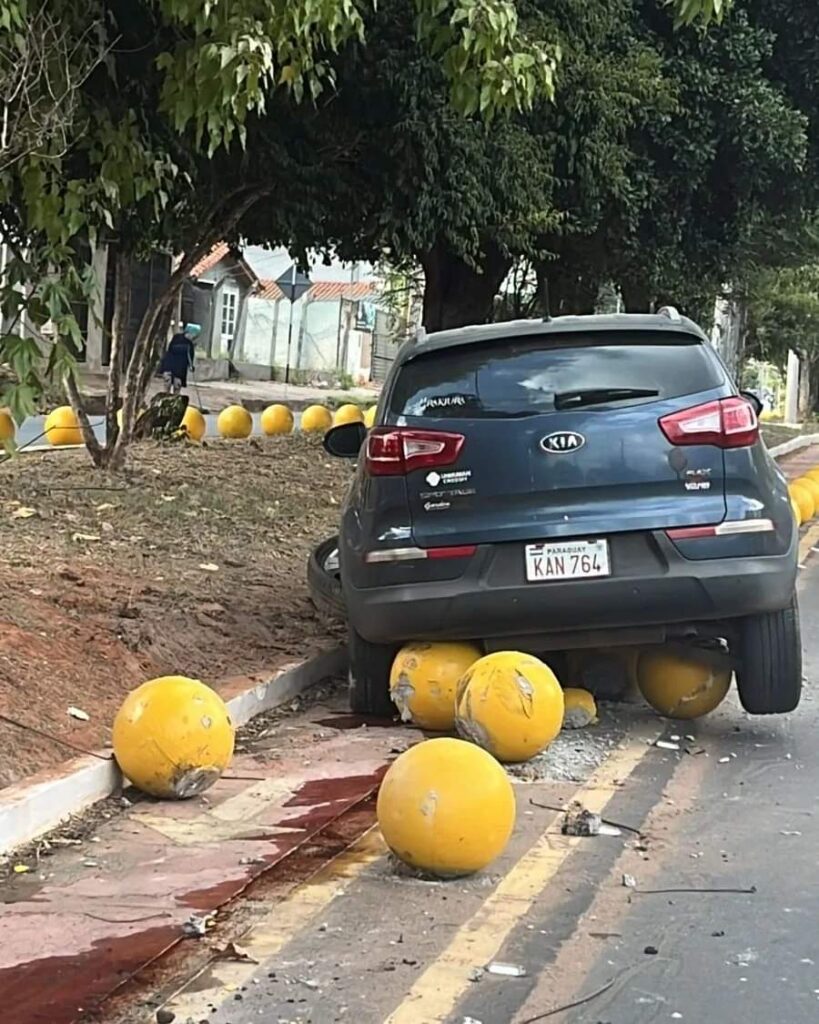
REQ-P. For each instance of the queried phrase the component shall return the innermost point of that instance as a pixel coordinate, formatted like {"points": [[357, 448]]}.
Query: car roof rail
{"points": [[670, 312]]}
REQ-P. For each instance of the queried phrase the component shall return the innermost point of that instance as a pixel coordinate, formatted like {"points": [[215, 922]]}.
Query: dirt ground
{"points": [[193, 564]]}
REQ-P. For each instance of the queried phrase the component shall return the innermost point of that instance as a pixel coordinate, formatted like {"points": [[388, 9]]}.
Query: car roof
{"points": [[669, 323]]}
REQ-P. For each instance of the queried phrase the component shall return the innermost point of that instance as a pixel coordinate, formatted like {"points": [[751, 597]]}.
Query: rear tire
{"points": [[324, 585], [769, 678], [370, 666]]}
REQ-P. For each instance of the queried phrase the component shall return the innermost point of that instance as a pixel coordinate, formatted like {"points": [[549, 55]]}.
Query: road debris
{"points": [[506, 970], [21, 869], [577, 821], [629, 881], [743, 959], [165, 1016], [198, 925], [234, 952], [78, 713], [666, 745]]}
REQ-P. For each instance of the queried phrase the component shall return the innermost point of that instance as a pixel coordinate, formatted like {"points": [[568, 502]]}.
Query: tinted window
{"points": [[519, 378]]}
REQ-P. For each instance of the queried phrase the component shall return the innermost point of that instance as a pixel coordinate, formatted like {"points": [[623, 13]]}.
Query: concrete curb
{"points": [[794, 445], [31, 808]]}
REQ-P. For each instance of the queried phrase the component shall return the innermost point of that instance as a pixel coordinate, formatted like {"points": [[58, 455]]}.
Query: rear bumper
{"points": [[652, 586]]}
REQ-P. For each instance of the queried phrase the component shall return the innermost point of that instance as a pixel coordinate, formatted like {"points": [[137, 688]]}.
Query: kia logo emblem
{"points": [[562, 442]]}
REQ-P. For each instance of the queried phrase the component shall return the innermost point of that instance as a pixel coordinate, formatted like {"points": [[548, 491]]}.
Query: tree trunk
{"points": [[456, 294], [151, 337], [119, 322]]}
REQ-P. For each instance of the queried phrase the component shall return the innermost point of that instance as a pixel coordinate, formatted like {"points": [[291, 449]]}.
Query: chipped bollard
{"points": [[446, 808], [173, 737], [424, 680], [511, 704]]}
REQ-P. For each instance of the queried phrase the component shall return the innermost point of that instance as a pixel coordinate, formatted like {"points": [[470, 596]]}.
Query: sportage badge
{"points": [[562, 442]]}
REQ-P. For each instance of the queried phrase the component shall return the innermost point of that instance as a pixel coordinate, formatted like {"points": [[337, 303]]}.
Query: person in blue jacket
{"points": [[179, 358]]}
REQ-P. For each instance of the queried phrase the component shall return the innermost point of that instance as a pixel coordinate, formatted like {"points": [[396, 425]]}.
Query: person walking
{"points": [[179, 358]]}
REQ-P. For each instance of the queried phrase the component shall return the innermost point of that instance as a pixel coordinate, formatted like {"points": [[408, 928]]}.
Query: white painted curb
{"points": [[31, 808], [794, 445]]}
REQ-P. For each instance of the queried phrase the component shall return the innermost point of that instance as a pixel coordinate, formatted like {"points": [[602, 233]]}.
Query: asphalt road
{"points": [[718, 925]]}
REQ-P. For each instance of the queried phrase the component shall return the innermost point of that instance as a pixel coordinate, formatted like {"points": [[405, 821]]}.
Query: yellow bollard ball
{"points": [[797, 512], [235, 422], [446, 807], [316, 419], [813, 487], [7, 426], [369, 417], [173, 737], [804, 499], [61, 427], [681, 687], [194, 423], [424, 679], [347, 414], [580, 708], [277, 419], [813, 473], [511, 704]]}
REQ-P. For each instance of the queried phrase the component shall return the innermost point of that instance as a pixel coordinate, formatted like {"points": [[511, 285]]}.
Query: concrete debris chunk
{"points": [[577, 821]]}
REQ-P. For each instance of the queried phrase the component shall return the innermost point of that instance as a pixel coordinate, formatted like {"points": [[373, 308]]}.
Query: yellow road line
{"points": [[808, 542], [433, 997], [270, 934]]}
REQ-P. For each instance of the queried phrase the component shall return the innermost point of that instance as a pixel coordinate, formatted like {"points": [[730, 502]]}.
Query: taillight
{"points": [[395, 451], [727, 423]]}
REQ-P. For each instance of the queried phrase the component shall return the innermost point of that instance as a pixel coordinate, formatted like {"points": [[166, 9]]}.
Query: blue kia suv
{"points": [[578, 482]]}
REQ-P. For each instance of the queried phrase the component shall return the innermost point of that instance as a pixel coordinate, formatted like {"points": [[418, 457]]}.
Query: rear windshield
{"points": [[536, 375]]}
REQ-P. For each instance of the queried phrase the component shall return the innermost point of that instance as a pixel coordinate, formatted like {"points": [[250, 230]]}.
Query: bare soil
{"points": [[193, 563]]}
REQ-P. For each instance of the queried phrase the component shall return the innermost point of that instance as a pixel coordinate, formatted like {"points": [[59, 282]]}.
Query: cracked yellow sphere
{"points": [[580, 708], [804, 499], [194, 423], [316, 419], [7, 427], [277, 419], [347, 414], [424, 679], [369, 417], [235, 422], [797, 512], [173, 737], [446, 807], [511, 704], [61, 427], [681, 687]]}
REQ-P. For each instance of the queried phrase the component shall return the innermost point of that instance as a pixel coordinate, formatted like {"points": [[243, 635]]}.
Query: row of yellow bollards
{"points": [[62, 428], [804, 494]]}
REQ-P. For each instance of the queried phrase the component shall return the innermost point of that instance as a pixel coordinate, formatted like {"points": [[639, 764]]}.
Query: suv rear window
{"points": [[537, 375]]}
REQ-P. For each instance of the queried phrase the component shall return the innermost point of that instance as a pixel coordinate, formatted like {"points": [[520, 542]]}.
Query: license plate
{"points": [[568, 560]]}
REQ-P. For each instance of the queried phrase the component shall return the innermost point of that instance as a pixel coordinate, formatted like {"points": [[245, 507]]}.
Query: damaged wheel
{"points": [[324, 579]]}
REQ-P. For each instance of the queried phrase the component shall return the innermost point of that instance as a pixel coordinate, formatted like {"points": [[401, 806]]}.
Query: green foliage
{"points": [[784, 314]]}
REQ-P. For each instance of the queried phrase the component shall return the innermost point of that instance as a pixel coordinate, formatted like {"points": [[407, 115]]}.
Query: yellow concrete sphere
{"points": [[369, 417], [682, 687], [235, 422], [194, 423], [511, 704], [804, 499], [316, 419], [424, 679], [277, 419], [580, 708], [7, 427], [173, 737], [446, 807], [797, 512], [813, 487], [61, 427], [347, 414], [813, 473]]}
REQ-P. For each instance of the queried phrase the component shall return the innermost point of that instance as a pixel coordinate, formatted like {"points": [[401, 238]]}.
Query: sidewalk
{"points": [[254, 395]]}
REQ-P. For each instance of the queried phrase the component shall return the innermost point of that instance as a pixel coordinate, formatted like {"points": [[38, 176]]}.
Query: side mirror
{"points": [[345, 441], [755, 401]]}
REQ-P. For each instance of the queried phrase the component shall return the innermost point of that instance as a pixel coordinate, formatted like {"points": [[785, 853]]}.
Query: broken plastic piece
{"points": [[506, 970], [577, 821]]}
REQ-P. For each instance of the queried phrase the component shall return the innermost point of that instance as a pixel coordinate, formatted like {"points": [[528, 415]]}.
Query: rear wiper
{"points": [[598, 396]]}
